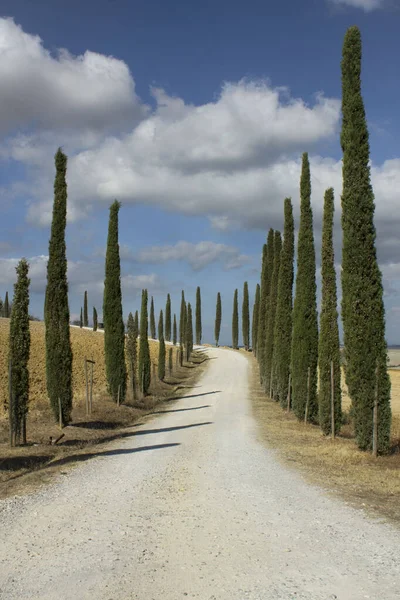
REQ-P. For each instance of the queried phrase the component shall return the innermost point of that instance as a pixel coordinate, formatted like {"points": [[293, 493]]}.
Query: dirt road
{"points": [[190, 505]]}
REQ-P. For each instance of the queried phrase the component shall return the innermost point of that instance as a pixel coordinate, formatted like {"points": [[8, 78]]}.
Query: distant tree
{"points": [[270, 380], [182, 327], [114, 328], [131, 351], [95, 319], [198, 317], [85, 311], [1, 308], [175, 332], [6, 307], [137, 323], [168, 319], [235, 322], [56, 309], [305, 325], [144, 350], [266, 276], [81, 320], [161, 348], [19, 346], [153, 333], [218, 317], [246, 317], [189, 332], [284, 308], [256, 311], [170, 360]]}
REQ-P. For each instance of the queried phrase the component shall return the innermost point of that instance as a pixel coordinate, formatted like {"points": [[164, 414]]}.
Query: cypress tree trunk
{"points": [[137, 323], [198, 317], [153, 333], [81, 319], [218, 318], [363, 311], [256, 312], [246, 317], [235, 322], [85, 311], [284, 307], [174, 332], [6, 307], [56, 310], [182, 327], [168, 319], [161, 348], [131, 350], [266, 276], [269, 379], [305, 325], [114, 328], [144, 351], [328, 347], [19, 344], [189, 332], [95, 321]]}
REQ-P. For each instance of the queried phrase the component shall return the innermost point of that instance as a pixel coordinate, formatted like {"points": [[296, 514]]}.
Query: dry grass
{"points": [[337, 464]]}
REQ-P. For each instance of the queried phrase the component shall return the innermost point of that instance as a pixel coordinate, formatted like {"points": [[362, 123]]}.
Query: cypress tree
{"points": [[131, 350], [161, 348], [235, 322], [19, 345], [266, 276], [6, 307], [189, 332], [85, 311], [218, 318], [246, 317], [168, 319], [198, 317], [1, 308], [362, 305], [114, 328], [95, 320], [305, 325], [137, 323], [328, 347], [153, 333], [81, 319], [144, 371], [182, 327], [174, 332], [170, 360], [256, 311], [284, 307], [56, 309], [269, 380]]}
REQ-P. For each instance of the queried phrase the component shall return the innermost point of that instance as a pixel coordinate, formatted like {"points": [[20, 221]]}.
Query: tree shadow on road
{"points": [[194, 395], [175, 410]]}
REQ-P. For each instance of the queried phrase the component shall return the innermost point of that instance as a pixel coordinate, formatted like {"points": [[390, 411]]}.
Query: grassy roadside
{"points": [[24, 468], [336, 465]]}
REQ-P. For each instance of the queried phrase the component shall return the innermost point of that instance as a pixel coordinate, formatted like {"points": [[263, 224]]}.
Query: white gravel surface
{"points": [[192, 506]]}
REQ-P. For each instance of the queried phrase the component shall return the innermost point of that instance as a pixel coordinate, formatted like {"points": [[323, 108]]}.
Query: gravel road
{"points": [[190, 505]]}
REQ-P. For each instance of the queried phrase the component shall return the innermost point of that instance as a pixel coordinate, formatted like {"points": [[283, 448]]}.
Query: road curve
{"points": [[190, 505]]}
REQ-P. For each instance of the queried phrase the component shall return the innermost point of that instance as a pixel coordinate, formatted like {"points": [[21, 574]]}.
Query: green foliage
{"points": [[170, 360], [218, 318], [56, 309], [198, 317], [19, 345], [85, 311], [363, 312], [328, 347], [174, 332], [269, 379], [114, 328], [168, 319], [235, 321], [182, 328], [305, 325], [246, 317], [256, 312], [284, 307], [131, 351], [6, 307], [95, 319], [189, 332], [153, 333], [161, 348], [144, 350], [81, 319], [266, 276], [137, 323]]}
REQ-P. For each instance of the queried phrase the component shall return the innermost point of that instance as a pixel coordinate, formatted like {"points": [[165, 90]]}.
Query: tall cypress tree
{"points": [[305, 325], [328, 347], [284, 307], [56, 309], [131, 351], [266, 276], [153, 333], [174, 332], [137, 323], [85, 311], [168, 319], [161, 348], [256, 311], [246, 317], [235, 321], [6, 307], [218, 318], [270, 380], [81, 319], [363, 311], [19, 345], [114, 328], [182, 328], [198, 317], [1, 308], [95, 320], [189, 332], [144, 371]]}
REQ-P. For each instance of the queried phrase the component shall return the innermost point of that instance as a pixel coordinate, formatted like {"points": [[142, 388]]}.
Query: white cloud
{"points": [[366, 5]]}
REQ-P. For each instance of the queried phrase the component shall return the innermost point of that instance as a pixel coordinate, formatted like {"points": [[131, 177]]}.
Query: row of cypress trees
{"points": [[235, 319]]}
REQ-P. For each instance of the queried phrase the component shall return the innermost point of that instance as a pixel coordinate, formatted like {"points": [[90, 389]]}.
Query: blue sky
{"points": [[193, 115]]}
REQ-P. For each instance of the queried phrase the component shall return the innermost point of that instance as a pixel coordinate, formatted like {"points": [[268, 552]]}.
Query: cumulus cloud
{"points": [[366, 5]]}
